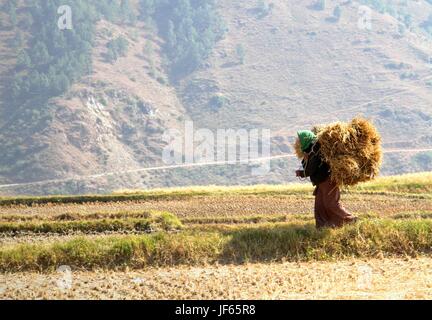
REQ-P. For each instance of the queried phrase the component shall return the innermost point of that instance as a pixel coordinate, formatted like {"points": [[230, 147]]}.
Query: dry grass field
{"points": [[256, 242], [348, 279]]}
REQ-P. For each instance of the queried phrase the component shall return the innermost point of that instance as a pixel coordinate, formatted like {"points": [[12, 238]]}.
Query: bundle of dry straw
{"points": [[352, 150]]}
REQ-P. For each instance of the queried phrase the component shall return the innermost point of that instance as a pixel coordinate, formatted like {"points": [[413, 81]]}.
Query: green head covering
{"points": [[307, 138]]}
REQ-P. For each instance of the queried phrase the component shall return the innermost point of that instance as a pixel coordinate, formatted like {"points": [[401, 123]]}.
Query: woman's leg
{"points": [[336, 212], [320, 211]]}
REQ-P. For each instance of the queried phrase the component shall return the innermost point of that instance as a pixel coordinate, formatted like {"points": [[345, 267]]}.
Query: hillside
{"points": [[279, 65]]}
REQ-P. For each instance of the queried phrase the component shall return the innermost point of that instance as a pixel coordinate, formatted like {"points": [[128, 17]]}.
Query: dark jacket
{"points": [[315, 167]]}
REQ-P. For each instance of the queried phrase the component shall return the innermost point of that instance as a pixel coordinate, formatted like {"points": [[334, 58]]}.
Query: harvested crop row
{"points": [[76, 216], [215, 224], [130, 216], [413, 183], [271, 242], [227, 206], [164, 194], [160, 221], [235, 219], [11, 240]]}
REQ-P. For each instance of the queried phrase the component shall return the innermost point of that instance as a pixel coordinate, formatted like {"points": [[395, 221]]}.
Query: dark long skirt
{"points": [[328, 210]]}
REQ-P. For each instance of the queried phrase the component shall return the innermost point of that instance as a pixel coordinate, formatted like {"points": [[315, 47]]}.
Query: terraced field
{"points": [[395, 278], [215, 242]]}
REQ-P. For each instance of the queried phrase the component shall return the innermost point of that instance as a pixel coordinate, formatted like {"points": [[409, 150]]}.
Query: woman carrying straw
{"points": [[328, 210]]}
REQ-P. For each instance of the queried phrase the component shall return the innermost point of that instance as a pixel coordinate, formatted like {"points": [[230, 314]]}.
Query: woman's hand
{"points": [[300, 173]]}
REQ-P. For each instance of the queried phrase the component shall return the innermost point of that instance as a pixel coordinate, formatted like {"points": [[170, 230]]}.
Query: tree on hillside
{"points": [[23, 60], [319, 5], [61, 83], [427, 24], [12, 15], [337, 12], [264, 8], [40, 55], [110, 9], [56, 58], [147, 8], [18, 40], [190, 29], [408, 20], [117, 48], [126, 12], [240, 51], [171, 35], [424, 160]]}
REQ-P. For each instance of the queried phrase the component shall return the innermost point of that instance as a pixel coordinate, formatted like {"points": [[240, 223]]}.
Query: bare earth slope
{"points": [[300, 68]]}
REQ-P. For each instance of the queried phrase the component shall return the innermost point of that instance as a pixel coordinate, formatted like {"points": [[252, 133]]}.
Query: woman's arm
{"points": [[312, 164]]}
